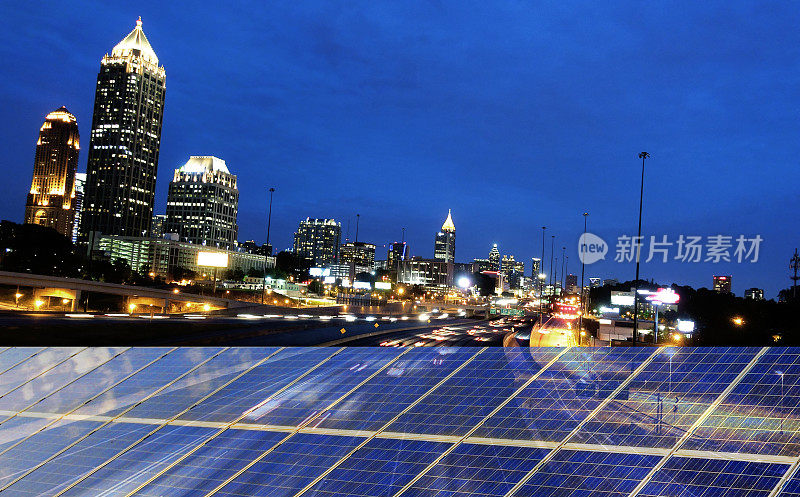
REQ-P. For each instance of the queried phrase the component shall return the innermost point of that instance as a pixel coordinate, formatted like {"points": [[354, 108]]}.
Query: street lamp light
{"points": [[583, 305], [643, 156]]}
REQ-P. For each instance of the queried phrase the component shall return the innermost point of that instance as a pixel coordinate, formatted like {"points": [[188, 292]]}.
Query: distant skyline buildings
{"points": [[50, 199], [445, 241], [77, 204], [723, 283], [475, 233], [318, 240], [203, 203], [125, 140]]}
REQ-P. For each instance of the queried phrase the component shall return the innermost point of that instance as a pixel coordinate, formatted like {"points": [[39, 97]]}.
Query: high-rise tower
{"points": [[444, 248], [203, 202], [126, 136], [53, 187]]}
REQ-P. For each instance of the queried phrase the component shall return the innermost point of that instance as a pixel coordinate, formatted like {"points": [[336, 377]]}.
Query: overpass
{"points": [[72, 288]]}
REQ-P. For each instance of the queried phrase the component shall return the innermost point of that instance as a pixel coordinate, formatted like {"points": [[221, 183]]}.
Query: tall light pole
{"points": [[269, 219], [552, 251], [541, 279], [563, 267], [269, 247], [643, 156], [583, 306]]}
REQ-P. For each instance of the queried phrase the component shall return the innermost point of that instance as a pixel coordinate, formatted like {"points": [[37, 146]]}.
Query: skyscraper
{"points": [[494, 258], [157, 227], [318, 240], [50, 200], [360, 254], [126, 136], [444, 248], [398, 251], [202, 203], [77, 203]]}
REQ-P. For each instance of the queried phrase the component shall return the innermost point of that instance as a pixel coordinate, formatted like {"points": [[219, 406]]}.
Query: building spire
{"points": [[139, 22], [448, 223]]}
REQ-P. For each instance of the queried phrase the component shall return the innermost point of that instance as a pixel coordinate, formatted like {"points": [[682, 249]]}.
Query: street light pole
{"points": [[643, 156], [269, 247], [541, 280], [563, 267], [583, 306]]}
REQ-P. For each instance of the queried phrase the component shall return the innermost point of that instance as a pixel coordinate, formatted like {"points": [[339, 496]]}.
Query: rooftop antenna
{"points": [[794, 264]]}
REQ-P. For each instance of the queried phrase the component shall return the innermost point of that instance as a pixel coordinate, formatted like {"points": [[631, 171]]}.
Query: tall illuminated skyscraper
{"points": [[444, 248], [126, 136], [77, 203], [53, 187], [203, 202]]}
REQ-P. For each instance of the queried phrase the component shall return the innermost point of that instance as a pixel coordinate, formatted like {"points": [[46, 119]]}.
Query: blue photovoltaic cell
{"points": [[247, 396], [380, 399], [192, 387], [578, 473], [472, 393], [564, 394], [478, 470], [24, 456], [666, 398], [213, 463], [380, 468], [136, 388], [54, 379], [762, 413], [792, 487], [13, 356], [95, 382], [317, 390], [66, 468], [682, 476], [291, 466], [140, 463], [34, 366]]}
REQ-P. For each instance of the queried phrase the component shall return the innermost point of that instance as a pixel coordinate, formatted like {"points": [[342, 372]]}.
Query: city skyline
{"points": [[718, 201]]}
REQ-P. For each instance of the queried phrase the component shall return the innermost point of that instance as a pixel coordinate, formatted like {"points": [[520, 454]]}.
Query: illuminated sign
{"points": [[621, 298], [604, 321], [609, 310], [664, 296], [329, 280], [212, 259], [685, 326], [383, 285], [318, 272], [362, 285]]}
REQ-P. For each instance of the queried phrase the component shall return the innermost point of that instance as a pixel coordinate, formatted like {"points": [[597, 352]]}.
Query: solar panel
{"points": [[470, 469], [394, 389], [599, 474], [291, 466], [689, 476], [381, 467], [663, 401], [552, 405], [762, 413], [471, 394], [379, 421]]}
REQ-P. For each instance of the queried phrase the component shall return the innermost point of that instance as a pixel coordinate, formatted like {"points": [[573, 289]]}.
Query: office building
{"points": [[398, 252], [536, 267], [318, 240], [50, 200], [512, 270], [360, 254], [77, 204], [125, 140], [494, 258], [481, 265], [570, 281], [444, 248], [157, 228], [203, 202], [167, 257], [430, 273], [722, 284], [754, 294]]}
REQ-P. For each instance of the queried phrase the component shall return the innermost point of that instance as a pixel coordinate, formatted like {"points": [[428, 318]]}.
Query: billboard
{"points": [[621, 298], [383, 285], [212, 259]]}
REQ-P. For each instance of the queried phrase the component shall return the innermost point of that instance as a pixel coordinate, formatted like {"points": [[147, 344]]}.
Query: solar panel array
{"points": [[411, 422]]}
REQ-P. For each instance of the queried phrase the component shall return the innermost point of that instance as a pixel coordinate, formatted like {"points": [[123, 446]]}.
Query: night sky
{"points": [[513, 114]]}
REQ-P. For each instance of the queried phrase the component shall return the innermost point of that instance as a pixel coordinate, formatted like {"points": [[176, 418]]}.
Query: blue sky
{"points": [[513, 114]]}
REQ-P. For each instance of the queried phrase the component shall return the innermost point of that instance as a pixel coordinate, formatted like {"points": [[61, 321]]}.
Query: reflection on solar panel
{"points": [[411, 422]]}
